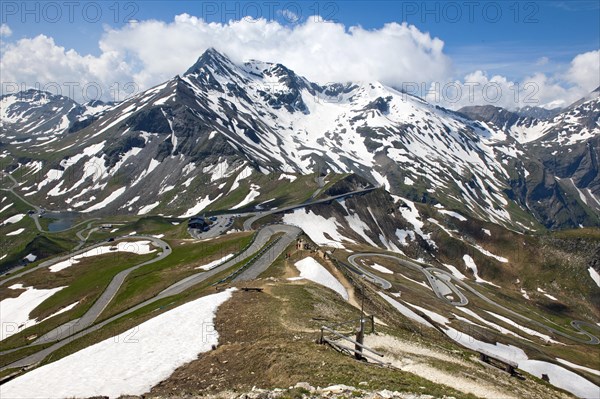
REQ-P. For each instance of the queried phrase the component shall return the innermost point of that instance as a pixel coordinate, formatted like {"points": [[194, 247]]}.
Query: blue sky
{"points": [[510, 39], [505, 36]]}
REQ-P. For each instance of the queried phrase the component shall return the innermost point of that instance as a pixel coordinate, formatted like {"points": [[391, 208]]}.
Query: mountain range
{"points": [[222, 134]]}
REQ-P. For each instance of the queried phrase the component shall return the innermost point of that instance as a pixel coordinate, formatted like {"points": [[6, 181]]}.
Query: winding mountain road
{"points": [[106, 297], [443, 283], [441, 286], [380, 281], [80, 327], [92, 314], [74, 329]]}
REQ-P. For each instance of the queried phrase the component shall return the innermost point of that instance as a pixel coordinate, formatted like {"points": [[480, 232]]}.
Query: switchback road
{"points": [[440, 280]]}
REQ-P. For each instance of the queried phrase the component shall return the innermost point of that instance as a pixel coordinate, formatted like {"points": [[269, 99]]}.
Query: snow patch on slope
{"points": [[135, 247], [14, 312], [312, 270], [470, 263], [594, 275], [215, 263], [252, 195], [203, 203], [317, 227]]}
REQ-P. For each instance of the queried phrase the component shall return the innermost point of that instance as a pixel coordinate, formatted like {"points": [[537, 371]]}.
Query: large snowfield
{"points": [[312, 270], [130, 363]]}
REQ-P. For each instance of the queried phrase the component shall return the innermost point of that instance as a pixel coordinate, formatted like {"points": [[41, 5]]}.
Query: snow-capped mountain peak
{"points": [[265, 115]]}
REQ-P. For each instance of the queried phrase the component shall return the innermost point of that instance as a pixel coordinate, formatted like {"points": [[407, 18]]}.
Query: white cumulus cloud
{"points": [[321, 51], [40, 63], [150, 52], [585, 70], [538, 89]]}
